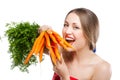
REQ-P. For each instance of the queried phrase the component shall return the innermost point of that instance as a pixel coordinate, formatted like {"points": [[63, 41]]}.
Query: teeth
{"points": [[69, 39]]}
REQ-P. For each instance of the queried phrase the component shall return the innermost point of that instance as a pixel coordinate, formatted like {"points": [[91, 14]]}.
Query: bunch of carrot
{"points": [[48, 39]]}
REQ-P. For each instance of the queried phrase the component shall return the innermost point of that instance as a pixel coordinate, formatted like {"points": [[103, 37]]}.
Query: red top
{"points": [[56, 77]]}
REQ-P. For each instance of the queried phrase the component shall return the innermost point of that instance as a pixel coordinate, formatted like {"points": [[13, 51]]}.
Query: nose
{"points": [[69, 30]]}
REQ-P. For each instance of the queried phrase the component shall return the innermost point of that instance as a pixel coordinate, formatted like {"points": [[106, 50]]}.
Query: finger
{"points": [[44, 28], [59, 62], [52, 62], [54, 68], [61, 59], [39, 30]]}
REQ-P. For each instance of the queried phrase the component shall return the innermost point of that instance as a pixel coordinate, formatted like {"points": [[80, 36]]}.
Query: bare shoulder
{"points": [[102, 64], [103, 67], [102, 70]]}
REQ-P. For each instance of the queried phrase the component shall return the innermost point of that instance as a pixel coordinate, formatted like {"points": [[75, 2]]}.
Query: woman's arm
{"points": [[102, 72], [61, 69]]}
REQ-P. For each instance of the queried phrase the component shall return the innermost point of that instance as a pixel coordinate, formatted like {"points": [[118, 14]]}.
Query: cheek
{"points": [[80, 35], [80, 39]]}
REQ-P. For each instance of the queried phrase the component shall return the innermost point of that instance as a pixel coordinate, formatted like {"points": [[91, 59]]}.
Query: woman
{"points": [[81, 30]]}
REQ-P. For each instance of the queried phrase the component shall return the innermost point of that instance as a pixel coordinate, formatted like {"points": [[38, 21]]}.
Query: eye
{"points": [[75, 27], [66, 25]]}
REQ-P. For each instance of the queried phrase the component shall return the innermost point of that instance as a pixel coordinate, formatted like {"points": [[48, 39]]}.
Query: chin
{"points": [[69, 50]]}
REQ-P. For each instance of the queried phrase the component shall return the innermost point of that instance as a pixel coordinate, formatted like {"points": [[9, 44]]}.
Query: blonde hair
{"points": [[90, 25]]}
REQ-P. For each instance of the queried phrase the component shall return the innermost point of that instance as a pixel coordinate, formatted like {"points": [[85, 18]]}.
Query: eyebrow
{"points": [[65, 21], [75, 24], [72, 23]]}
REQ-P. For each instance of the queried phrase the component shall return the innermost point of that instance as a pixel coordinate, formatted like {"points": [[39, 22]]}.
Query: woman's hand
{"points": [[61, 69], [44, 28]]}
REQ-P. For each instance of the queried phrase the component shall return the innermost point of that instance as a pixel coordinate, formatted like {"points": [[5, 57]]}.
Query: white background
{"points": [[52, 12]]}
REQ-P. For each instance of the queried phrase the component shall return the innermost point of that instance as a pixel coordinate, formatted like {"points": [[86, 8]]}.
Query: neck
{"points": [[79, 56], [83, 55]]}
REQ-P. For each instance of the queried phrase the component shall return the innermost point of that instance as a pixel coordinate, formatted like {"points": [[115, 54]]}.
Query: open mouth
{"points": [[70, 40]]}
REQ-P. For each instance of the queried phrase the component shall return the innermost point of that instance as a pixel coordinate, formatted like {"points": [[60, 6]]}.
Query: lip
{"points": [[69, 38]]}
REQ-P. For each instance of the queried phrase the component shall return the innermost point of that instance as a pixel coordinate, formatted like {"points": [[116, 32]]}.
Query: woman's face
{"points": [[72, 31]]}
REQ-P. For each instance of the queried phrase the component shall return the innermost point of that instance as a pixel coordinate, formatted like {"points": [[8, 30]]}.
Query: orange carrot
{"points": [[32, 51], [63, 45], [55, 49], [48, 45], [28, 57], [51, 36], [39, 42], [41, 50], [67, 44], [47, 40], [49, 31], [61, 41], [34, 48], [55, 33], [41, 54], [57, 37], [52, 55], [40, 45], [35, 44]]}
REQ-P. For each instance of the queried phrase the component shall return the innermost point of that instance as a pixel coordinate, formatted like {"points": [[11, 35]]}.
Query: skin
{"points": [[80, 62]]}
